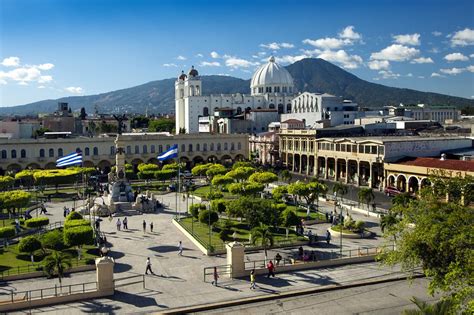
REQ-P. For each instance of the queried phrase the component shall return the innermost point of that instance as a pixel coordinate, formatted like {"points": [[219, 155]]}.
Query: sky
{"points": [[56, 48]]}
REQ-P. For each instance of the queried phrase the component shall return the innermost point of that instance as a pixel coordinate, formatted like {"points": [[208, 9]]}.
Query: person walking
{"points": [[278, 258], [180, 248], [151, 227], [327, 217], [148, 266], [328, 237], [144, 226], [252, 279], [119, 224], [215, 277], [271, 269], [65, 211], [125, 223]]}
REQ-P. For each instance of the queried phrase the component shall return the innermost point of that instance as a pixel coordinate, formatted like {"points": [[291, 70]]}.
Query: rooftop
{"points": [[457, 165], [292, 121]]}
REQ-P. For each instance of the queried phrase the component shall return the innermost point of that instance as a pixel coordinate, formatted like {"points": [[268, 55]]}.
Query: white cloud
{"points": [[387, 74], [181, 57], [456, 57], [349, 33], [434, 50], [328, 43], [407, 39], [436, 75], [199, 55], [410, 75], [341, 57], [74, 90], [45, 79], [214, 55], [23, 74], [210, 64], [436, 33], [45, 66], [421, 77], [11, 62], [262, 53], [170, 65], [452, 71], [379, 64], [22, 83], [41, 87], [463, 38], [470, 68], [290, 59], [235, 62], [277, 46], [395, 52], [422, 60]]}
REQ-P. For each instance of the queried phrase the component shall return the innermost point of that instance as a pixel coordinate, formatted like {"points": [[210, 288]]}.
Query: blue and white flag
{"points": [[70, 159], [169, 154]]}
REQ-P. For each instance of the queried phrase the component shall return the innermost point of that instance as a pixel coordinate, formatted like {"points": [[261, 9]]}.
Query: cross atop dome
{"points": [[271, 59]]}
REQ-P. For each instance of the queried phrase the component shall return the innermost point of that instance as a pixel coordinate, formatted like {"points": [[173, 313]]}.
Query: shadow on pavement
{"points": [[119, 267], [98, 307], [137, 300], [312, 278], [166, 249], [115, 255], [274, 282], [171, 278]]}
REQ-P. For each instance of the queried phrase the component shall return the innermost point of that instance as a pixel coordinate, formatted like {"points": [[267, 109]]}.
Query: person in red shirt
{"points": [[271, 269]]}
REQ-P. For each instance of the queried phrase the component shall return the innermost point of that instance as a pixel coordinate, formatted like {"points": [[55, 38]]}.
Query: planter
{"points": [[364, 234]]}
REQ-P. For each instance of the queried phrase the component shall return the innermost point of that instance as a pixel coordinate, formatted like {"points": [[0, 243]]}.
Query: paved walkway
{"points": [[179, 279]]}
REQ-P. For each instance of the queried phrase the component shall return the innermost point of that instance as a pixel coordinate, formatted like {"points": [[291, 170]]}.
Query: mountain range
{"points": [[311, 75]]}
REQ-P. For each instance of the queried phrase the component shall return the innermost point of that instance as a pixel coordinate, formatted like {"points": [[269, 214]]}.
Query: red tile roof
{"points": [[457, 165]]}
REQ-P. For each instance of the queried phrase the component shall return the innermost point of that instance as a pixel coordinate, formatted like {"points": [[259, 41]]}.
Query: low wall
{"points": [[60, 299], [192, 239], [337, 234], [38, 274]]}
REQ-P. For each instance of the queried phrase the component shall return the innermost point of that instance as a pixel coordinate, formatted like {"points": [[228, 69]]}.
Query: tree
{"points": [[339, 189], [83, 114], [241, 164], [148, 167], [195, 208], [438, 308], [242, 173], [164, 175], [388, 222], [221, 180], [290, 218], [286, 176], [56, 263], [161, 125], [79, 236], [208, 217], [14, 199], [279, 192], [218, 205], [402, 199], [437, 235], [36, 222], [263, 178], [53, 240], [214, 170], [308, 191], [263, 236], [74, 215], [29, 245], [6, 182], [251, 189], [6, 232], [25, 178], [366, 195]]}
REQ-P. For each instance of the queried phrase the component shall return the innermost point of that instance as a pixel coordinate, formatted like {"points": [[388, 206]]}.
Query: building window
{"points": [[41, 153], [211, 147], [145, 149], [283, 89], [373, 149], [137, 149], [239, 110], [86, 151], [167, 147], [338, 147], [190, 148], [205, 111], [204, 147], [152, 148], [60, 152], [4, 153], [112, 150], [129, 149], [183, 148], [239, 146], [381, 150], [232, 147], [23, 153], [95, 151], [225, 146], [361, 148], [367, 149], [51, 152], [218, 147], [198, 147], [160, 148]]}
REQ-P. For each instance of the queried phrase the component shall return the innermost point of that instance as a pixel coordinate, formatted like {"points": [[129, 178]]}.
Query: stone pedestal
{"points": [[235, 258], [105, 274]]}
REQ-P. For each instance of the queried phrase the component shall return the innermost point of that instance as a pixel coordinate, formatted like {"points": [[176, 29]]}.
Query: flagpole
{"points": [[178, 189]]}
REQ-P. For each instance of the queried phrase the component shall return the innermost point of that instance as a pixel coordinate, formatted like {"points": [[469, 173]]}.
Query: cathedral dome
{"points": [[182, 76], [271, 78], [193, 72]]}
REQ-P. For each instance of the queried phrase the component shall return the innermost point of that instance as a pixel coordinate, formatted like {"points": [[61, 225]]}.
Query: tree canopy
{"points": [[263, 177]]}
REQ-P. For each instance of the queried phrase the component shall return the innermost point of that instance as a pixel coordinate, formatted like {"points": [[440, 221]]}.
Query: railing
{"points": [[134, 281], [221, 270], [19, 296], [322, 256], [40, 230], [219, 246]]}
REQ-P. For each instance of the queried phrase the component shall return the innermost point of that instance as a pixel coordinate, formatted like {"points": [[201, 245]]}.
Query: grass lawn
{"points": [[204, 190], [201, 232], [11, 259], [313, 215]]}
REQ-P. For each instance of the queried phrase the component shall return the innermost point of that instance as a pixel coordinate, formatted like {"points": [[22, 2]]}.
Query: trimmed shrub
{"points": [[78, 236], [194, 209], [74, 216], [7, 231], [29, 244], [226, 231], [36, 222], [208, 217], [359, 226], [72, 223], [214, 195], [218, 205], [53, 240], [22, 222]]}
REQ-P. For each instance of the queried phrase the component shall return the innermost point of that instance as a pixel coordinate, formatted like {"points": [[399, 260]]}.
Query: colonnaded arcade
{"points": [[17, 154]]}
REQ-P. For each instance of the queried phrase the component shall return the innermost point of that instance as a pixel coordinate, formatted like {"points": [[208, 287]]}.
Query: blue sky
{"points": [[50, 48]]}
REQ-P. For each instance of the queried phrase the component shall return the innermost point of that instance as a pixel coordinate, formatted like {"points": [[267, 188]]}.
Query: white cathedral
{"points": [[272, 97]]}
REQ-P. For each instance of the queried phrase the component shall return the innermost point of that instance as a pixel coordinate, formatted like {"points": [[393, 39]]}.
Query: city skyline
{"points": [[83, 48]]}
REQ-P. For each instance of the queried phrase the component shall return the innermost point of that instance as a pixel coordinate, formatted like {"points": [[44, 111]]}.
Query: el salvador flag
{"points": [[169, 154], [70, 159]]}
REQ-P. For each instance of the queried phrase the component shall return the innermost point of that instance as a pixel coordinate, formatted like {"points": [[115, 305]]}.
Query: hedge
{"points": [[36, 222], [29, 244], [218, 205], [6, 232], [195, 208], [53, 240], [72, 223], [74, 215], [78, 236], [208, 217]]}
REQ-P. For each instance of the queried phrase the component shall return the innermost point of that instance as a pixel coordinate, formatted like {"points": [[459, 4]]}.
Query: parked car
{"points": [[392, 191]]}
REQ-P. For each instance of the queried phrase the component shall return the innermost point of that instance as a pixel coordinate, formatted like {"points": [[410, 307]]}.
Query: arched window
{"points": [[153, 150], [60, 152], [288, 108], [205, 111], [41, 153], [232, 146], [211, 147], [129, 149], [218, 147], [190, 148], [160, 148], [137, 149], [280, 109], [271, 106], [95, 151], [23, 153], [145, 149], [13, 154], [112, 150], [4, 154], [198, 147], [239, 110], [51, 152], [87, 152], [183, 148], [204, 147], [225, 146], [239, 146]]}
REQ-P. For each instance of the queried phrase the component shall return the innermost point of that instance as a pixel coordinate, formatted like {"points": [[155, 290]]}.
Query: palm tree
{"points": [[56, 263], [402, 199], [439, 308], [388, 222], [366, 195], [262, 235], [339, 189], [318, 190]]}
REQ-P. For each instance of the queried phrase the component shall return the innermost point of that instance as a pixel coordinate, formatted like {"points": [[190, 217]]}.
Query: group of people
{"points": [[334, 218]]}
